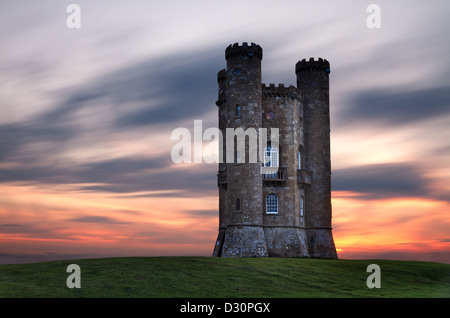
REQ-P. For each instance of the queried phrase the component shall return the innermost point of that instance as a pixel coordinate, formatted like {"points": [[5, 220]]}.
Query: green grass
{"points": [[225, 277]]}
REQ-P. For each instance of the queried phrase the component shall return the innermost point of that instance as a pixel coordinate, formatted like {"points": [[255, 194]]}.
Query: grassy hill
{"points": [[208, 277]]}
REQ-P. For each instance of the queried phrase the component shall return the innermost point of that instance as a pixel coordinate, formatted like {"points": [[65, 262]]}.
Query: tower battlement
{"points": [[279, 90], [312, 65], [251, 50]]}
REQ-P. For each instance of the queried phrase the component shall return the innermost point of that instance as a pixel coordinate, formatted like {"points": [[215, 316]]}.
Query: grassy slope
{"points": [[224, 277]]}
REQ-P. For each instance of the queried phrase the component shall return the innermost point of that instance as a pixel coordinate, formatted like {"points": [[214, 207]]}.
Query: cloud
{"points": [[27, 228], [202, 213], [153, 91], [150, 93], [189, 90], [96, 219], [392, 108], [124, 175], [106, 170], [185, 182], [381, 180], [16, 138]]}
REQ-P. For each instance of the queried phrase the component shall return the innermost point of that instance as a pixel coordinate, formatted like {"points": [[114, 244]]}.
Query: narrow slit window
{"points": [[238, 204], [302, 205], [238, 110], [300, 164]]}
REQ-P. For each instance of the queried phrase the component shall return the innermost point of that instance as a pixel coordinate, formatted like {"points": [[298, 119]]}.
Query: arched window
{"points": [[302, 205], [272, 204]]}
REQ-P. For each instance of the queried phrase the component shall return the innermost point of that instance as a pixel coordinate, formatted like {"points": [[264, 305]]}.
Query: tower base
{"points": [[286, 242], [219, 243], [242, 241], [321, 243]]}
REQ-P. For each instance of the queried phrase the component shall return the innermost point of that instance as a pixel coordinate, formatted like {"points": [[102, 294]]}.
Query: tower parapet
{"points": [[312, 65], [279, 90], [251, 50]]}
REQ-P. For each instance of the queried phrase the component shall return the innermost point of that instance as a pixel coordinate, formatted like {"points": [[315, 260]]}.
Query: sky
{"points": [[86, 116]]}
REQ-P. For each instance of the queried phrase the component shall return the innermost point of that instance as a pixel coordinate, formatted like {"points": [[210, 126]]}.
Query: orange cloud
{"points": [[38, 219], [406, 225]]}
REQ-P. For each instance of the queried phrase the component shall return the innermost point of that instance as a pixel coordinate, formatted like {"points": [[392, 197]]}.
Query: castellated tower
{"points": [[274, 195]]}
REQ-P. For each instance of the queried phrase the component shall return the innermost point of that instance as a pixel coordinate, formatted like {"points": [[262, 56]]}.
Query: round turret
{"points": [[313, 85]]}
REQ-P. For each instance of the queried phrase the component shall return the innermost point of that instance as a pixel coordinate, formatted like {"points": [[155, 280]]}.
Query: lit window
{"points": [[272, 204], [271, 157], [271, 161]]}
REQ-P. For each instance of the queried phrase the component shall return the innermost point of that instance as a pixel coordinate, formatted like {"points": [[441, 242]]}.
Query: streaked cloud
{"points": [[395, 107], [381, 180], [96, 219]]}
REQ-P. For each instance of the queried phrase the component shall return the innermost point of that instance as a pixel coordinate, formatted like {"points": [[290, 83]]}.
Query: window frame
{"points": [[272, 204], [273, 151]]}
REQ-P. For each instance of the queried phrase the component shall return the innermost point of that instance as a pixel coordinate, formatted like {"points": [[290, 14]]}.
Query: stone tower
{"points": [[278, 202]]}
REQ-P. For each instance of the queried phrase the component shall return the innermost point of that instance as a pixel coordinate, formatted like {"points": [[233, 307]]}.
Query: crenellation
{"points": [[312, 65], [245, 50], [279, 90]]}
